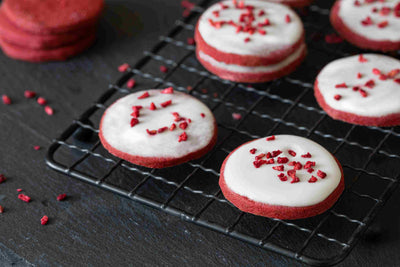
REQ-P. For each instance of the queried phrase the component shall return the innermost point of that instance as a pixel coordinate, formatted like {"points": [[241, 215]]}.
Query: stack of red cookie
{"points": [[48, 30]]}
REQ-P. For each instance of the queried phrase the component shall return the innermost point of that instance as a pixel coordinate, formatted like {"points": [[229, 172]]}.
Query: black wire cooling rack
{"points": [[370, 155]]}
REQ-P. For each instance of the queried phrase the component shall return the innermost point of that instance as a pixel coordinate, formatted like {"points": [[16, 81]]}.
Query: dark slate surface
{"points": [[98, 228]]}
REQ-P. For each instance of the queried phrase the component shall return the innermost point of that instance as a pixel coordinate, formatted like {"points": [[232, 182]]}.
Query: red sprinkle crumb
{"points": [[61, 197], [168, 90], [163, 69], [341, 85], [41, 101], [333, 38], [321, 174], [362, 59], [383, 77], [151, 132], [172, 127], [183, 125], [292, 153], [308, 155], [259, 163], [393, 73], [260, 156], [131, 83], [144, 95], [337, 97], [271, 138], [383, 24], [202, 115], [269, 155], [44, 220], [29, 94], [282, 160], [270, 161], [124, 67], [288, 19], [37, 147], [276, 153], [279, 168], [363, 93], [6, 100], [1, 209], [298, 166], [19, 190], [253, 151], [134, 121], [24, 197], [166, 103], [313, 179], [283, 178], [163, 129], [376, 71], [310, 170], [2, 178], [190, 41], [359, 75], [295, 180], [370, 83], [309, 164], [182, 137], [397, 81], [291, 173], [247, 39], [152, 106], [49, 110], [236, 116]]}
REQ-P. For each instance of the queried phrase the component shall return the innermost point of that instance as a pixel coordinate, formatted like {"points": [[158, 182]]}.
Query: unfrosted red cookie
{"points": [[250, 41], [40, 55], [14, 35], [368, 24], [53, 16], [361, 89], [283, 176], [293, 3], [158, 128]]}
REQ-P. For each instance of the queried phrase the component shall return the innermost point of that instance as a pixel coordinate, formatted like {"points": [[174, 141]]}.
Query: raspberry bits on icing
{"points": [[250, 41], [361, 89], [368, 24], [158, 128], [285, 177]]}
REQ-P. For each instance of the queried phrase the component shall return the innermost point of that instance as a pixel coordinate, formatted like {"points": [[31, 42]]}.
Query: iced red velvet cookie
{"points": [[368, 24], [52, 16], [293, 3], [250, 41], [362, 89], [283, 176], [158, 128]]}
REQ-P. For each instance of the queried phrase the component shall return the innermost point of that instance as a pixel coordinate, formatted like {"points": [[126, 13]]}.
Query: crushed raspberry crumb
{"points": [[367, 21], [190, 41], [295, 180], [370, 84], [283, 178], [163, 69], [359, 75], [124, 67], [269, 155], [292, 153], [166, 103], [333, 38], [362, 59], [144, 95], [260, 156], [259, 163], [131, 83], [151, 132], [41, 101], [288, 19], [383, 24], [172, 127], [169, 90], [37, 147], [363, 93], [357, 3], [134, 121], [19, 190], [270, 161], [182, 137], [202, 115], [397, 81], [183, 125], [6, 100], [236, 116], [310, 170], [29, 94], [1, 209], [261, 13], [376, 71], [24, 197], [298, 166], [2, 178], [291, 173], [276, 153], [307, 155], [393, 73], [337, 97], [49, 110], [44, 220], [382, 77], [321, 174], [61, 197], [341, 85], [309, 164], [313, 179], [282, 160], [247, 39], [253, 151], [163, 129], [279, 168], [271, 138]]}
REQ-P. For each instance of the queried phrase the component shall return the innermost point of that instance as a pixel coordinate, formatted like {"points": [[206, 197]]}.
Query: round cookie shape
{"points": [[293, 3], [44, 55], [158, 128], [368, 24], [249, 33], [282, 176], [15, 35], [362, 89], [52, 16]]}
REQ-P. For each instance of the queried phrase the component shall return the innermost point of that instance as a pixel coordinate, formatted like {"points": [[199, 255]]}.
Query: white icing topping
{"points": [[279, 33], [244, 69], [353, 15], [263, 185], [383, 98], [136, 141]]}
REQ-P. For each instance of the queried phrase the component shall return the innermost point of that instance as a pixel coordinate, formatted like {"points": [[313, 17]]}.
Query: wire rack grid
{"points": [[190, 191]]}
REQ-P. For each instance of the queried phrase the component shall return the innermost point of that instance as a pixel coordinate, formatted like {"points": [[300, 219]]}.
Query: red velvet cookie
{"points": [[14, 35], [284, 177], [38, 55], [250, 41], [293, 3], [362, 89], [53, 16], [158, 128], [368, 24]]}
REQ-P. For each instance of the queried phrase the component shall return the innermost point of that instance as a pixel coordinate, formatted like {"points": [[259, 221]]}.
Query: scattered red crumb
{"points": [[295, 180], [29, 94], [283, 177], [247, 39], [236, 116], [393, 73], [151, 132], [363, 93], [298, 166], [383, 24], [279, 168], [259, 163], [271, 138], [183, 125], [307, 155], [337, 97], [292, 153], [2, 178], [24, 197], [6, 100], [44, 220], [144, 95], [313, 179], [49, 110], [19, 190], [169, 90], [172, 127], [359, 75], [182, 137], [202, 115], [41, 101], [282, 160], [131, 83], [291, 173], [37, 147], [163, 129], [341, 85], [362, 59], [166, 103], [310, 170], [333, 38], [288, 19], [124, 67], [163, 69], [397, 80], [1, 209], [321, 174], [370, 83], [152, 106], [61, 197], [189, 88], [253, 151], [134, 121], [276, 153], [260, 156], [190, 41], [309, 164], [187, 4]]}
